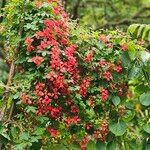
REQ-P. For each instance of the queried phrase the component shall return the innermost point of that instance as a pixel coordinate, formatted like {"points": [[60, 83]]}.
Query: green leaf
{"points": [[132, 28], [128, 116], [5, 135], [20, 146], [31, 109], [126, 61], [116, 100], [14, 132], [118, 128], [60, 147], [145, 99], [3, 132], [111, 145], [42, 119], [91, 145], [100, 145], [24, 136], [134, 73], [147, 128], [17, 95], [146, 144], [132, 145], [39, 131], [74, 147]]}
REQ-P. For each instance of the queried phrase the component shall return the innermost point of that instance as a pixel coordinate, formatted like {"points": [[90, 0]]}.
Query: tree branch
{"points": [[75, 9], [3, 3]]}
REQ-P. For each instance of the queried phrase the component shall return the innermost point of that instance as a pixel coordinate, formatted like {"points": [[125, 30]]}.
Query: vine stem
{"points": [[7, 90]]}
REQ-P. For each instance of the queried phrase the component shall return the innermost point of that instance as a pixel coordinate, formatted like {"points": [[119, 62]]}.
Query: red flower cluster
{"points": [[84, 142], [107, 75], [25, 99], [53, 132], [103, 38], [37, 60], [55, 112], [72, 120], [74, 109], [56, 62], [102, 63], [84, 86], [104, 130], [104, 94], [118, 68], [71, 63], [29, 41]]}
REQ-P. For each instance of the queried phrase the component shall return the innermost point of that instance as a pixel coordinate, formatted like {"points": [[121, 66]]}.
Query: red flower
{"points": [[37, 60], [43, 45], [39, 34], [104, 94], [25, 99], [89, 56], [102, 63], [84, 142], [107, 75], [72, 120], [30, 48], [118, 68], [69, 102], [28, 41], [53, 132], [124, 47], [103, 38], [74, 109], [56, 10], [55, 112]]}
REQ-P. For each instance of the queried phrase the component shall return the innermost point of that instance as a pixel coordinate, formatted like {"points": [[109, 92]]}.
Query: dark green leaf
{"points": [[116, 100], [100, 145], [111, 145]]}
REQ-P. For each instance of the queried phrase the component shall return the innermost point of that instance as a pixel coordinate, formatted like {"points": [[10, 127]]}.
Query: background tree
{"points": [[109, 13]]}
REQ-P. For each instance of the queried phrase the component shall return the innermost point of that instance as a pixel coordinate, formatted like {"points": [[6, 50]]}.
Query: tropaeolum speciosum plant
{"points": [[71, 85]]}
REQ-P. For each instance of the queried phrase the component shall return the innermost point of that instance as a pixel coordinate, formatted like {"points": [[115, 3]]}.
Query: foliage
{"points": [[109, 13], [141, 31], [73, 87]]}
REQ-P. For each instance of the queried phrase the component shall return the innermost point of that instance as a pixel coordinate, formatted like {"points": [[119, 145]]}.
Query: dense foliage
{"points": [[70, 87]]}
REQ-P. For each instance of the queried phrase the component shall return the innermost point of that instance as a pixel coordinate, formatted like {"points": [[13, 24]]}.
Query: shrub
{"points": [[74, 83]]}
